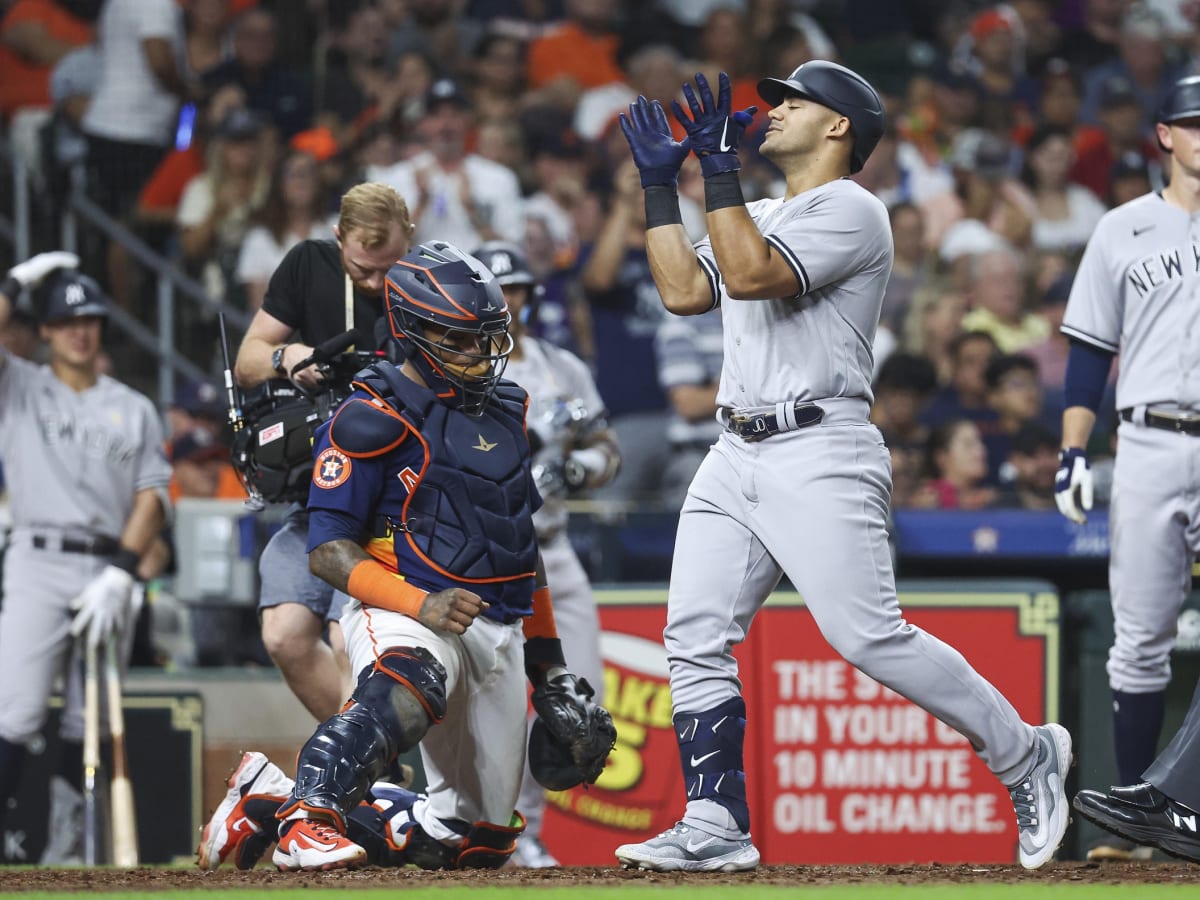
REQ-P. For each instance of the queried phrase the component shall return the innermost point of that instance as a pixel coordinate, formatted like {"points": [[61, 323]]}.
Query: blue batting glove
{"points": [[713, 130], [656, 153]]}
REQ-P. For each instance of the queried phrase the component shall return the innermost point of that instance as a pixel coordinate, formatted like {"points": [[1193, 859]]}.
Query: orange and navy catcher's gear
{"points": [[441, 497], [441, 286]]}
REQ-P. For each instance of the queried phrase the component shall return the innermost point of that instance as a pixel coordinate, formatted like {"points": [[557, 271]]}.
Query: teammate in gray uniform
{"points": [[799, 481], [577, 451], [1137, 292], [87, 482]]}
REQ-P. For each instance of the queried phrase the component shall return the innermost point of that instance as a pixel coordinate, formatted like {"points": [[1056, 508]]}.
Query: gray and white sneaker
{"points": [[531, 853], [1040, 801], [687, 849]]}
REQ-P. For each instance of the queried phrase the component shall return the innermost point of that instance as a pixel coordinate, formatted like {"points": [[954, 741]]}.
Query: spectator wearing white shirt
{"points": [[134, 111], [1064, 214], [457, 196], [295, 210]]}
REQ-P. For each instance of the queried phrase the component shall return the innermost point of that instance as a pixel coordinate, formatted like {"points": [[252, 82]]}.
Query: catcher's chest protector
{"points": [[466, 507]]}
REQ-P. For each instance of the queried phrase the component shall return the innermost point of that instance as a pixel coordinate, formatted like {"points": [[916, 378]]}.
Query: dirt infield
{"points": [[149, 879]]}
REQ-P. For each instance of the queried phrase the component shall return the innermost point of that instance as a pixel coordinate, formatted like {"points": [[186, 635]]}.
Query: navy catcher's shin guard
{"points": [[710, 754], [391, 709]]}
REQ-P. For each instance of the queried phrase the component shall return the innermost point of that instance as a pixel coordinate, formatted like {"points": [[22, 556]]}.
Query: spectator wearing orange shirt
{"points": [[579, 54], [34, 35]]}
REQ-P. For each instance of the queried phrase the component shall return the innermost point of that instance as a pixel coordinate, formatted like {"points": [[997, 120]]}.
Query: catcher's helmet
{"points": [[508, 263], [437, 285], [843, 91], [69, 294], [1182, 101]]}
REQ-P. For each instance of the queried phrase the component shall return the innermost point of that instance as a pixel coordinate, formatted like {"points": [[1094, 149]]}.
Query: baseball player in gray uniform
{"points": [[576, 451], [799, 481], [1135, 292], [87, 482]]}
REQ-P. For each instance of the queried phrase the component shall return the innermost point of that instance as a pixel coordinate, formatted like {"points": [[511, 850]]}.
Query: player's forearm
{"points": [[743, 256], [6, 306], [145, 522], [1077, 424], [253, 364], [681, 282], [333, 562]]}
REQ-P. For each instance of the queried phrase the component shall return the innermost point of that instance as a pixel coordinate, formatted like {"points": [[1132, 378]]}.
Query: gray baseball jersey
{"points": [[816, 345], [1137, 290], [74, 460], [810, 503]]}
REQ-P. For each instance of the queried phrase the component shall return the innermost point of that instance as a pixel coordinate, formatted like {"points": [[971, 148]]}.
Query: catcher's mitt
{"points": [[572, 736]]}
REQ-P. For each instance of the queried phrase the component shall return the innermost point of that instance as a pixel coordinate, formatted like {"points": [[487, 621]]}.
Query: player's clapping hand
{"points": [[655, 151], [451, 610], [713, 129]]}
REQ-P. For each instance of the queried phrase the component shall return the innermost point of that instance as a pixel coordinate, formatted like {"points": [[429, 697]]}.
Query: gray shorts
{"points": [[283, 569]]}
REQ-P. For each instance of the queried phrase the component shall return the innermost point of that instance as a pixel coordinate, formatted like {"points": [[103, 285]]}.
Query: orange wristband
{"points": [[373, 584], [541, 623]]}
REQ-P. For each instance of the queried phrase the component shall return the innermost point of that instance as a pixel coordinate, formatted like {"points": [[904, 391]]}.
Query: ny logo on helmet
{"points": [[501, 263], [75, 294]]}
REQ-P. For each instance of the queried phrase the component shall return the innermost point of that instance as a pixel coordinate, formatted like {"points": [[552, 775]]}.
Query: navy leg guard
{"points": [[710, 754], [390, 710]]}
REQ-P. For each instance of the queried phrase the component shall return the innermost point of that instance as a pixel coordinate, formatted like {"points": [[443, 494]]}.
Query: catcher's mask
{"points": [[448, 312]]}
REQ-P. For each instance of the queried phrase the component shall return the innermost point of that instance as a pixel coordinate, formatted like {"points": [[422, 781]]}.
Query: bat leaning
{"points": [[123, 821]]}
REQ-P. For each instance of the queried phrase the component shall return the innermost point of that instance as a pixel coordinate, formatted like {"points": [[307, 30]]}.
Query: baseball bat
{"points": [[91, 751], [124, 821]]}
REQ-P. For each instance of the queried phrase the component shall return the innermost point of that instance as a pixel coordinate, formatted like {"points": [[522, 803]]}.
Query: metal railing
{"points": [[172, 286]]}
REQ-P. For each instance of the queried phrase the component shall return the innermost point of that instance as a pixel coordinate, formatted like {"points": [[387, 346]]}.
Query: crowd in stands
{"points": [[224, 131]]}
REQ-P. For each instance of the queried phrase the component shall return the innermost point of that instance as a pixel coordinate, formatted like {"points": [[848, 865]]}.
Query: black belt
{"points": [[91, 545], [761, 422], [1167, 422]]}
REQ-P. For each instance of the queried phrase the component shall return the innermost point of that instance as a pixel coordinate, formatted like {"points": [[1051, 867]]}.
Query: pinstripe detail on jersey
{"points": [[714, 278], [793, 262], [1089, 339]]}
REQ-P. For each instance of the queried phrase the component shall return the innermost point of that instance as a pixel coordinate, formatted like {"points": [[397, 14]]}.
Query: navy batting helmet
{"points": [[71, 295], [1182, 101], [441, 286], [842, 90]]}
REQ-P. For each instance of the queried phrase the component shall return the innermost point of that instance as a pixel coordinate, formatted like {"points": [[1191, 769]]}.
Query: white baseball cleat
{"points": [[244, 822], [1040, 801], [313, 845], [531, 853], [687, 849]]}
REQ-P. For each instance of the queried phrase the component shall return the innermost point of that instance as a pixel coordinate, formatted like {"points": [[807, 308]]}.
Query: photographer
{"points": [[320, 290]]}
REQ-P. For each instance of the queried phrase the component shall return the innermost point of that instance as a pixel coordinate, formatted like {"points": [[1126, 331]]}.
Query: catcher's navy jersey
{"points": [[442, 498]]}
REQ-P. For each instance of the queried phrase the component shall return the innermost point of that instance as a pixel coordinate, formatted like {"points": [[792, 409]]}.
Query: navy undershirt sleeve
{"points": [[1087, 373]]}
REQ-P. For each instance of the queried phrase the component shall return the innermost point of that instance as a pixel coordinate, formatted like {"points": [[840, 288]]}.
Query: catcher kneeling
{"points": [[421, 511]]}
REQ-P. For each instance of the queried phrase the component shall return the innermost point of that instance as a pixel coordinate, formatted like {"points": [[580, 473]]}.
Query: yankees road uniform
{"points": [[554, 378], [73, 463], [1137, 290], [810, 502]]}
